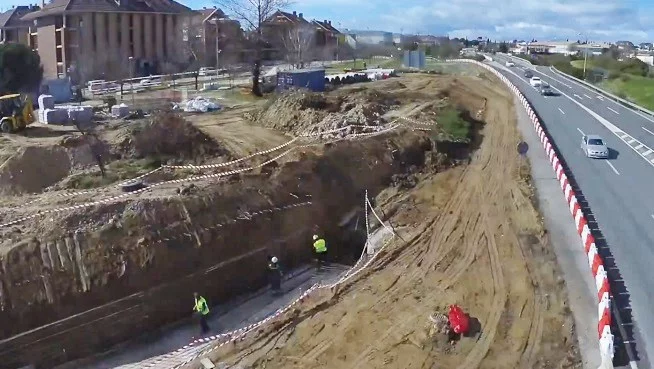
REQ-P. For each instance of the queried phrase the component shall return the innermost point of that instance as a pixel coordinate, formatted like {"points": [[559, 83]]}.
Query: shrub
{"points": [[613, 74], [453, 124]]}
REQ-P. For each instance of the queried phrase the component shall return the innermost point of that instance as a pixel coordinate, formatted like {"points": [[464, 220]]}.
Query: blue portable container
{"points": [[312, 79]]}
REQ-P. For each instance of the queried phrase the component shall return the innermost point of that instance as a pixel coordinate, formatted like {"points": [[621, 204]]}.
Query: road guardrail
{"points": [[622, 101], [618, 99]]}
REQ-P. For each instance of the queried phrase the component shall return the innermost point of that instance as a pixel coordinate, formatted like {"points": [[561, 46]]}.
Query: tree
{"points": [[20, 69], [504, 47], [298, 44], [253, 14]]}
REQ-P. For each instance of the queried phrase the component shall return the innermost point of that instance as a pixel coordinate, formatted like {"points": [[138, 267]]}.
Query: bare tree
{"points": [[299, 43], [193, 44], [253, 14]]}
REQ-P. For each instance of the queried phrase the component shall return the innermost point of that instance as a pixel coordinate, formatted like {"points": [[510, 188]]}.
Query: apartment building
{"points": [[12, 27], [219, 40], [321, 37], [327, 39], [112, 39], [373, 37]]}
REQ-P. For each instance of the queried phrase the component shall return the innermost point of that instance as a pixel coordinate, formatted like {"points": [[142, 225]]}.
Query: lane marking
{"points": [[612, 167], [577, 96], [610, 126], [588, 96], [652, 216], [648, 131], [649, 151], [610, 99], [600, 97], [580, 131], [640, 146], [612, 110], [562, 112]]}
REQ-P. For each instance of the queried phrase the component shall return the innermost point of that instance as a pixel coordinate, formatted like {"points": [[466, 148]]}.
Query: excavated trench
{"points": [[66, 296]]}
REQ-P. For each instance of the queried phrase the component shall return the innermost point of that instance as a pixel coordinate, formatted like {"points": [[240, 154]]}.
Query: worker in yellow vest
{"points": [[202, 310], [320, 248]]}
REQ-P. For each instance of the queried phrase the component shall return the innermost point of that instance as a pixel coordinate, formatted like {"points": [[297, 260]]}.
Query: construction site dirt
{"points": [[86, 265]]}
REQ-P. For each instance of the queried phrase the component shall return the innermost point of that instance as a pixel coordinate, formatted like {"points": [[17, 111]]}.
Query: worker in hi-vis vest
{"points": [[320, 248], [202, 310]]}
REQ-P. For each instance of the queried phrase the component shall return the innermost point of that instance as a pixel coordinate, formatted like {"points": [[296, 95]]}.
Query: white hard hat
{"points": [[274, 259], [315, 236]]}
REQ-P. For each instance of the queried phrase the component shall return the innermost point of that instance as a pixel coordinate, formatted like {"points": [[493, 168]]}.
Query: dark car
{"points": [[546, 90], [529, 74]]}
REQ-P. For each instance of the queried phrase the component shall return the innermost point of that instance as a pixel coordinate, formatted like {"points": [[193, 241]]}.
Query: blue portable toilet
{"points": [[312, 79]]}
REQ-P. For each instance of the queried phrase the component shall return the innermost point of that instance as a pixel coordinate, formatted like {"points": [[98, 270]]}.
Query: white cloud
{"points": [[541, 19]]}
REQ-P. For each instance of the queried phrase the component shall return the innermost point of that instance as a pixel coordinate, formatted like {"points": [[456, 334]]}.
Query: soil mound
{"points": [[84, 150], [33, 168], [305, 112], [167, 134]]}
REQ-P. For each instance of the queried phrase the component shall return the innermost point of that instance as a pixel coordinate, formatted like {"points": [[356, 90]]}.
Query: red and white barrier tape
{"points": [[198, 348], [594, 260], [379, 130]]}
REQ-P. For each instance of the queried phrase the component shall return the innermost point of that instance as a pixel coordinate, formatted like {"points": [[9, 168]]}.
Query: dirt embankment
{"points": [[138, 263], [469, 236], [158, 242], [32, 168]]}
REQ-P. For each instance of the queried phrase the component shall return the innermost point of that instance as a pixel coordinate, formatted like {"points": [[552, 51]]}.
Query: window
{"points": [[595, 142]]}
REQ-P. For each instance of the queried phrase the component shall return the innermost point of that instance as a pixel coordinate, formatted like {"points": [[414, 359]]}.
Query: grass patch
{"points": [[119, 170], [580, 64], [369, 63], [638, 89], [452, 124]]}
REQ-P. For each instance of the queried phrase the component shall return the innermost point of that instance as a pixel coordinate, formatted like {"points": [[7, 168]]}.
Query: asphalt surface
{"points": [[565, 240], [614, 192]]}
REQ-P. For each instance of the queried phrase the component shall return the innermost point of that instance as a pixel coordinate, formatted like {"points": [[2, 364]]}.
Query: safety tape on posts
{"points": [[238, 334], [379, 130], [595, 262]]}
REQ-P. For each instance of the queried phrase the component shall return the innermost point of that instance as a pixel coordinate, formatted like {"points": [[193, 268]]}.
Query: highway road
{"points": [[617, 191]]}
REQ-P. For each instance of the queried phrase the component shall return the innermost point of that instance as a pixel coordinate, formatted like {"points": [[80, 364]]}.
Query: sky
{"points": [[595, 20]]}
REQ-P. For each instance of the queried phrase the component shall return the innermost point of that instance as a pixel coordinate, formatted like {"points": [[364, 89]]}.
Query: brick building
{"points": [[321, 37], [213, 30], [12, 27], [109, 39], [326, 39]]}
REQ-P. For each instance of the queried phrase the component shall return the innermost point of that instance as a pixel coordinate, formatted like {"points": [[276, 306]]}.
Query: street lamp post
{"points": [[131, 77], [585, 55], [217, 22]]}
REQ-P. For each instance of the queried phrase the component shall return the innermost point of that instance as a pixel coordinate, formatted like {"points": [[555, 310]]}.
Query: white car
{"points": [[535, 82], [510, 64], [206, 71], [594, 147]]}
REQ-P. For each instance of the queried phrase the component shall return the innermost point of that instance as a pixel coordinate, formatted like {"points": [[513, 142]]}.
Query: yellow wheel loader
{"points": [[16, 112]]}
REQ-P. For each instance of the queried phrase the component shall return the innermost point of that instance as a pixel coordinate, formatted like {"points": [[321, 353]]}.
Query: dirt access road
{"points": [[473, 238]]}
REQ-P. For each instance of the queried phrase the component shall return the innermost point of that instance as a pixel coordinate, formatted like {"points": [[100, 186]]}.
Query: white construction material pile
{"points": [[49, 114], [81, 114], [46, 102], [120, 111], [53, 116], [199, 105]]}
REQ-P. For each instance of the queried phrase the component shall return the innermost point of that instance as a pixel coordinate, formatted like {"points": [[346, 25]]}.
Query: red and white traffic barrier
{"points": [[595, 262]]}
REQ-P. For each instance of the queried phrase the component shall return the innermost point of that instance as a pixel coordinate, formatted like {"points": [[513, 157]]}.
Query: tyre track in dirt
{"points": [[474, 243], [474, 358]]}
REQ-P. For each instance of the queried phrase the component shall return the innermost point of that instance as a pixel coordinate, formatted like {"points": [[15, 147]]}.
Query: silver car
{"points": [[594, 147]]}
